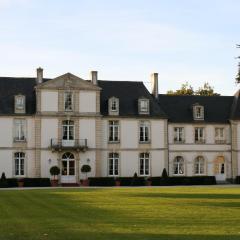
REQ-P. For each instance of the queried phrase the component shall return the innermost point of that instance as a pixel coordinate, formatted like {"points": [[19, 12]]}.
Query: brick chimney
{"points": [[94, 77], [154, 84], [39, 78]]}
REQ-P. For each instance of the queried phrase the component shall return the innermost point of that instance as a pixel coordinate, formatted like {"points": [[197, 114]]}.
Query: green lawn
{"points": [[121, 213]]}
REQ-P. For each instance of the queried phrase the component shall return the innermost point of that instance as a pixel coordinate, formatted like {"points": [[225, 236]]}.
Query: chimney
{"points": [[39, 78], [154, 84], [94, 77]]}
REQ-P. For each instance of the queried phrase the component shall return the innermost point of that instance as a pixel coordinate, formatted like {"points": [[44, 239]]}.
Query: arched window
{"points": [[199, 165], [178, 166], [19, 159]]}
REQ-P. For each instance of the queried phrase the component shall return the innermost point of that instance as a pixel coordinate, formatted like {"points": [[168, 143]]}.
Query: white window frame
{"points": [[220, 135], [113, 164], [68, 127], [113, 131], [20, 104], [178, 166], [199, 134], [143, 106], [178, 134], [199, 165], [19, 164], [144, 164], [20, 130], [68, 101], [198, 112], [144, 132]]}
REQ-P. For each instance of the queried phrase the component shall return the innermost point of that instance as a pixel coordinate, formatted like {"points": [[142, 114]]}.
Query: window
{"points": [[19, 130], [68, 130], [113, 161], [113, 105], [178, 134], [178, 166], [19, 158], [144, 164], [144, 133], [198, 112], [19, 104], [199, 135], [68, 101], [199, 166], [143, 106], [219, 135], [113, 131]]}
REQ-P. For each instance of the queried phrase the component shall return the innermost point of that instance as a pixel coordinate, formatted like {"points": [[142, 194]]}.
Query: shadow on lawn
{"points": [[188, 195]]}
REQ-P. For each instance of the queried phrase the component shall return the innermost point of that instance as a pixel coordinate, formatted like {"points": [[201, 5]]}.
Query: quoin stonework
{"points": [[117, 127]]}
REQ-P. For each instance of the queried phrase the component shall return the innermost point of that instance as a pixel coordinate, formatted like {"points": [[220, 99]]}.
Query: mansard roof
{"points": [[217, 109], [128, 93]]}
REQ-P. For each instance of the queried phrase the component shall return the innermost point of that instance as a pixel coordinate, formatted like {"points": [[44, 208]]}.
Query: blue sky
{"points": [[187, 40]]}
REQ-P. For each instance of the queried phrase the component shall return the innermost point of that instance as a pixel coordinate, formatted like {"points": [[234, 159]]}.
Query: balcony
{"points": [[62, 145]]}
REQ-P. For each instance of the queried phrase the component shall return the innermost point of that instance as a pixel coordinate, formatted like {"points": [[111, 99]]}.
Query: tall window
{"points": [[199, 165], [113, 131], [143, 105], [19, 104], [199, 135], [178, 166], [68, 101], [178, 134], [219, 134], [68, 130], [113, 162], [144, 132], [19, 158], [144, 164], [198, 112], [20, 130]]}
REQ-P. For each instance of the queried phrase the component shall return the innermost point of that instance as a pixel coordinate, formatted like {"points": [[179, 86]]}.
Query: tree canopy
{"points": [[187, 89]]}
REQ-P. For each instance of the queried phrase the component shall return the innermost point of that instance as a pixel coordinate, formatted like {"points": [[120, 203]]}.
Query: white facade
{"points": [[71, 133]]}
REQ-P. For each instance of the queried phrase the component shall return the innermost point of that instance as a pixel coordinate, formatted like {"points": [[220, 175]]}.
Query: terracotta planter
{"points": [[85, 183], [54, 182], [117, 183], [20, 184]]}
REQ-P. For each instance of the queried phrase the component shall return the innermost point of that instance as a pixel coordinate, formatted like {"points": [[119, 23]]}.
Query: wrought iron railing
{"points": [[60, 144]]}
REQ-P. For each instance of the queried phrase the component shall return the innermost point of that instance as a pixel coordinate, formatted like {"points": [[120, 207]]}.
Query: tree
{"points": [[86, 169], [187, 89], [54, 171], [164, 173], [206, 90]]}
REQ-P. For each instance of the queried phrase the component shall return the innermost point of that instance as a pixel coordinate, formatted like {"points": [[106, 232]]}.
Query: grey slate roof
{"points": [[179, 108], [128, 93]]}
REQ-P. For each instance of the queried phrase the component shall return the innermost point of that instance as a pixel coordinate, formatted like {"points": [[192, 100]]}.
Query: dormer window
{"points": [[113, 106], [143, 106], [68, 101], [198, 112], [20, 104]]}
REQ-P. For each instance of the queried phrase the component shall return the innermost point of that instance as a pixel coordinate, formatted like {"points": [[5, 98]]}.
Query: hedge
{"points": [[172, 181], [237, 180], [131, 181], [9, 183], [101, 181], [36, 182]]}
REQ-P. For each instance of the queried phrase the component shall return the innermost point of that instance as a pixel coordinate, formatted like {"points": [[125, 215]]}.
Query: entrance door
{"points": [[220, 169], [68, 174], [68, 133]]}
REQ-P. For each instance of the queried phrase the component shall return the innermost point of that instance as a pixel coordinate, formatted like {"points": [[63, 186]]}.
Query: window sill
{"points": [[144, 142], [200, 142], [178, 175], [220, 141], [113, 142], [19, 141]]}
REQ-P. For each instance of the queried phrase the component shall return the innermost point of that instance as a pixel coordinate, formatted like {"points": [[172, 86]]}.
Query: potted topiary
{"points": [[54, 171], [117, 182], [3, 181], [85, 169], [20, 182]]}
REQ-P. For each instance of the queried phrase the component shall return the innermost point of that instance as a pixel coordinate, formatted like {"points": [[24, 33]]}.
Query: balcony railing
{"points": [[60, 144]]}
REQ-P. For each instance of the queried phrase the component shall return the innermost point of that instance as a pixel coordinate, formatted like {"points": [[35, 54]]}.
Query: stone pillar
{"points": [[98, 147], [37, 166]]}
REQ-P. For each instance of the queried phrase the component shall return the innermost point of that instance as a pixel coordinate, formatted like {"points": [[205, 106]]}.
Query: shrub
{"points": [[12, 182], [36, 182], [3, 181], [101, 181], [237, 180], [54, 171], [86, 169], [164, 173]]}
